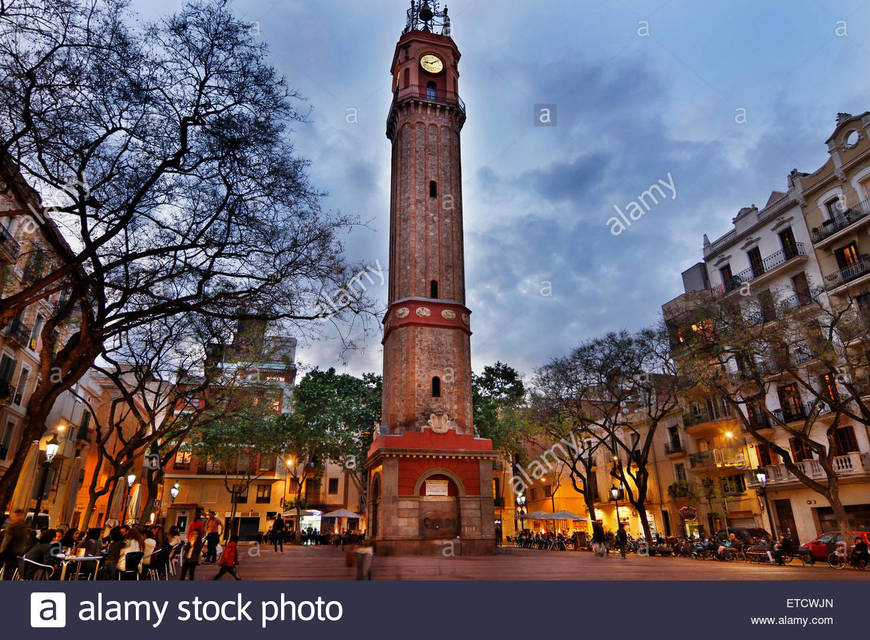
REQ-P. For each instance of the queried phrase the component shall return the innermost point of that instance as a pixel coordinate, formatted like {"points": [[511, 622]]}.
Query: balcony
{"points": [[848, 219], [848, 274], [700, 417], [421, 92], [18, 331], [801, 412], [674, 447], [724, 458], [850, 464], [768, 265], [9, 247]]}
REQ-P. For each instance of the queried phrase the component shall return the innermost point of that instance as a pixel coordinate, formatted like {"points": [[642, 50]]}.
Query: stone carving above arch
{"points": [[440, 423], [440, 471]]}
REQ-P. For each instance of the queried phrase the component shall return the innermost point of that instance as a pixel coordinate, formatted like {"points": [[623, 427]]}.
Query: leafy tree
{"points": [[243, 444], [497, 397], [334, 418]]}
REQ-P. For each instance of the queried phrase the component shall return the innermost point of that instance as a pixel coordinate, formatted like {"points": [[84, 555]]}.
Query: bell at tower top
{"points": [[427, 16]]}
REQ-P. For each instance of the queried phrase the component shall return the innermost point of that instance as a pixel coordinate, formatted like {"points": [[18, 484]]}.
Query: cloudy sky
{"points": [[726, 97]]}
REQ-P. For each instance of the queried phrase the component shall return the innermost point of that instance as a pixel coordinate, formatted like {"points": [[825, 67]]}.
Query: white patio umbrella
{"points": [[567, 515], [341, 513], [537, 515]]}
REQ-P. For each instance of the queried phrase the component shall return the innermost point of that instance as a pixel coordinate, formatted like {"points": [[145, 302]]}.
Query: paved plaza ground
{"points": [[328, 563]]}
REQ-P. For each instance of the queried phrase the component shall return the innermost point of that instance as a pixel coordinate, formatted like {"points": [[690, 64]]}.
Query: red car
{"points": [[819, 548]]}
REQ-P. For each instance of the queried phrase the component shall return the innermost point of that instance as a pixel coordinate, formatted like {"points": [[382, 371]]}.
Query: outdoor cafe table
{"points": [[68, 560]]}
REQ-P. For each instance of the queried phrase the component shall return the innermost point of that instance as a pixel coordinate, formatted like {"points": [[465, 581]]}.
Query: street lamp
{"points": [[762, 482], [173, 492], [614, 491], [289, 463], [51, 449], [131, 478]]}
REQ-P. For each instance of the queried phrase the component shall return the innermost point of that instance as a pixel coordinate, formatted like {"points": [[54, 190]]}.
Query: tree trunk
{"points": [[842, 518]]}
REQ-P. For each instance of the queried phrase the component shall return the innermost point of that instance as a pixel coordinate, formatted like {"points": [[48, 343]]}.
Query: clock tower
{"points": [[430, 477]]}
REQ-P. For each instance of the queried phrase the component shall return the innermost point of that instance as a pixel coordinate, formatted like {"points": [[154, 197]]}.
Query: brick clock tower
{"points": [[430, 477]]}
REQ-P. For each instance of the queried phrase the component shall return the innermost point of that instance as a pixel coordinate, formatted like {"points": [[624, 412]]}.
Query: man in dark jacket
{"points": [[278, 532], [15, 540], [621, 539]]}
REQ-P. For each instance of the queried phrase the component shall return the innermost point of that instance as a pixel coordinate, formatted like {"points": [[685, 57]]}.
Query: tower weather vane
{"points": [[427, 16]]}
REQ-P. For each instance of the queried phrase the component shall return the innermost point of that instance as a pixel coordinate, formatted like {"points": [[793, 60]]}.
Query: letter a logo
{"points": [[47, 609]]}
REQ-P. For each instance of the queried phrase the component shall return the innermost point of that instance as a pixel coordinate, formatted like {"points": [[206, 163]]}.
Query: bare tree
{"points": [[756, 362], [174, 180]]}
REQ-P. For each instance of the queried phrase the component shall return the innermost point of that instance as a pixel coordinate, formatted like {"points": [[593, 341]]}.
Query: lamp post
{"points": [[173, 492], [520, 511], [762, 481], [131, 478], [614, 491], [51, 449]]}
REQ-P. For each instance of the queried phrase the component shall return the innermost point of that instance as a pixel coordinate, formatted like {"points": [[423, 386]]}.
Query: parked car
{"points": [[821, 547]]}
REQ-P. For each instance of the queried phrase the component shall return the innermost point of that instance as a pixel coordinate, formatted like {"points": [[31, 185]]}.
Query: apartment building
{"points": [[267, 365], [803, 246]]}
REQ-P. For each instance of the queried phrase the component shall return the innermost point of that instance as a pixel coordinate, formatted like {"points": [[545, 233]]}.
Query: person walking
{"points": [[598, 545], [278, 532], [213, 530], [16, 538], [621, 539], [196, 525], [191, 555], [229, 559]]}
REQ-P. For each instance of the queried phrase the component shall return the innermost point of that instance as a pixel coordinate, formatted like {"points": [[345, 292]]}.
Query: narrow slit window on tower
{"points": [[433, 189], [436, 387], [431, 91], [406, 78], [433, 289]]}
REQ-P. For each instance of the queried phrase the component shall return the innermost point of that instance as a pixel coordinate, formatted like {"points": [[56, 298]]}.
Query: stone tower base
{"points": [[431, 494]]}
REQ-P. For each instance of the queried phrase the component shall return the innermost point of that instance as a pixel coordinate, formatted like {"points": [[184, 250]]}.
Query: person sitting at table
{"points": [[42, 552], [113, 555], [133, 542], [150, 545]]}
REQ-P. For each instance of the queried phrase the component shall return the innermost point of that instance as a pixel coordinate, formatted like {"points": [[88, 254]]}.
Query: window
{"points": [[333, 486], [863, 301], [548, 491], [433, 189], [832, 208], [755, 261], [802, 289], [182, 458], [733, 485], [790, 401], [241, 495], [800, 450], [433, 289], [22, 383], [765, 456], [828, 387], [264, 493], [768, 311], [851, 139], [847, 256], [37, 330], [680, 472], [436, 387], [844, 441], [6, 442], [7, 368], [789, 246], [406, 78], [431, 91], [85, 425], [266, 463], [727, 278]]}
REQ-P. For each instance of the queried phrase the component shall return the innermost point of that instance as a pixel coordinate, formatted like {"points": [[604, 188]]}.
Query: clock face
{"points": [[431, 63]]}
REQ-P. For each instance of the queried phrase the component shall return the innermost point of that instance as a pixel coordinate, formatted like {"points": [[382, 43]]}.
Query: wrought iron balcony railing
{"points": [[848, 273], [18, 331], [8, 244], [841, 221]]}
